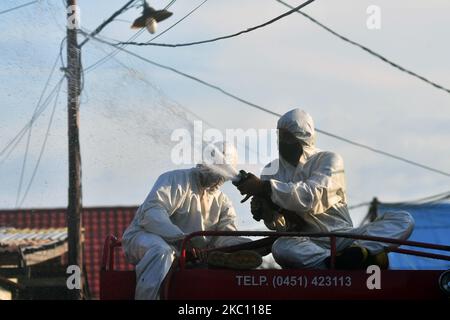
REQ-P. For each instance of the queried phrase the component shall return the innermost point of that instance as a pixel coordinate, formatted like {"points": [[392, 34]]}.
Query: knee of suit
{"points": [[283, 252], [285, 255], [403, 219], [163, 250], [409, 222], [160, 250], [279, 249], [401, 216]]}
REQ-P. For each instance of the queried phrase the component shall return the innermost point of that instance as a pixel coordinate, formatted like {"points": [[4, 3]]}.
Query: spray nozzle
{"points": [[240, 178]]}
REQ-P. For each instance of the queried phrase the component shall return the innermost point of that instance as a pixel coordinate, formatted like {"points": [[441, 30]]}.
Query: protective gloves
{"points": [[253, 186]]}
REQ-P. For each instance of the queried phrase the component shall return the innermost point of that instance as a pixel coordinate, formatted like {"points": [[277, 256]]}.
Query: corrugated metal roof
{"points": [[98, 223], [13, 237]]}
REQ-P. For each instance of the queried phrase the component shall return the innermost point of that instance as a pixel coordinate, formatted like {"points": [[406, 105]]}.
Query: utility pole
{"points": [[74, 209]]}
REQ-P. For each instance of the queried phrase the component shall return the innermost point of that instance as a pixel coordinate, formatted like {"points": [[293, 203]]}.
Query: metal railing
{"points": [[331, 235], [109, 246], [111, 243]]}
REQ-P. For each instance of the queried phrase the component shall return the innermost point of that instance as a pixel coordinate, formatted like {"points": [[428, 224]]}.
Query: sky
{"points": [[129, 113]]}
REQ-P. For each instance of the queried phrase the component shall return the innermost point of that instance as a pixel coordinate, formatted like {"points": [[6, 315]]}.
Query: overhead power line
{"points": [[124, 8], [328, 29], [12, 144], [18, 7], [185, 109], [97, 30], [256, 106], [304, 4], [44, 143], [430, 200], [110, 55], [114, 52], [368, 50], [36, 108], [425, 200], [170, 4], [421, 201], [180, 20], [362, 204]]}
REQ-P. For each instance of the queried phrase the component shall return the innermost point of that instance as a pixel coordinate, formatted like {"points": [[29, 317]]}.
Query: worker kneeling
{"points": [[182, 202], [307, 194]]}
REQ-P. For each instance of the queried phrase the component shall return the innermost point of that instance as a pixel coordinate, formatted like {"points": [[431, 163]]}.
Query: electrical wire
{"points": [[368, 50], [27, 146], [113, 53], [180, 20], [222, 37], [12, 144], [328, 29], [61, 47], [251, 104], [430, 200], [44, 143], [97, 30], [169, 4], [363, 204], [20, 6], [426, 200], [195, 115]]}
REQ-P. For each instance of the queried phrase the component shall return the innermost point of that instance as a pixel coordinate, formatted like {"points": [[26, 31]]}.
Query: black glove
{"points": [[263, 209], [256, 208], [253, 186]]}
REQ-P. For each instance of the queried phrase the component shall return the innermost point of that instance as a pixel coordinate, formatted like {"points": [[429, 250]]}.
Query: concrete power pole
{"points": [[74, 209]]}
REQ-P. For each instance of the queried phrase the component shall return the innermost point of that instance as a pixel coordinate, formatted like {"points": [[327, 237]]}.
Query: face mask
{"points": [[291, 152], [210, 180]]}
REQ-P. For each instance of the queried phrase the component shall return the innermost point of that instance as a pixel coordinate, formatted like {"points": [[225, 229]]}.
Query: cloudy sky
{"points": [[129, 108]]}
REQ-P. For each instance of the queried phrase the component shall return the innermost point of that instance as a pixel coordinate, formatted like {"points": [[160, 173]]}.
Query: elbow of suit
{"points": [[307, 198]]}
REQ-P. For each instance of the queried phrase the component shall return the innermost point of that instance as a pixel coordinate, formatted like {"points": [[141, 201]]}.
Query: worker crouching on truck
{"points": [[308, 194], [182, 202]]}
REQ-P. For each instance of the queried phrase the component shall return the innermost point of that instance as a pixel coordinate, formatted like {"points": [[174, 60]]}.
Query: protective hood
{"points": [[221, 157], [301, 125], [218, 165]]}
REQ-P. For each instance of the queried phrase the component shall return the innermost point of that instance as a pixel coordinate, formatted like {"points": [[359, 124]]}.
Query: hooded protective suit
{"points": [[315, 190], [177, 205]]}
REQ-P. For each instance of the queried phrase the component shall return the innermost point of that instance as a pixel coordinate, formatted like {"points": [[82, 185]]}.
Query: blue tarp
{"points": [[432, 225]]}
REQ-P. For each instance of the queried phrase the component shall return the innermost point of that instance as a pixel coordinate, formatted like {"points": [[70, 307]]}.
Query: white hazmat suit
{"points": [[177, 205], [315, 190]]}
